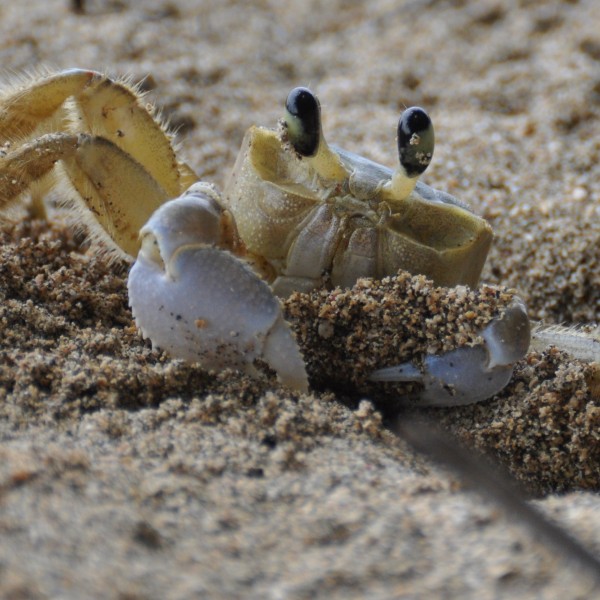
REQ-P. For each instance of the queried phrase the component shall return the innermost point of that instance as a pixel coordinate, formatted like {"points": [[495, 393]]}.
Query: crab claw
{"points": [[469, 374], [199, 302]]}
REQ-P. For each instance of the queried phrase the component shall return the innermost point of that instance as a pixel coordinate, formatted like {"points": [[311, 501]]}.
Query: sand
{"points": [[125, 474]]}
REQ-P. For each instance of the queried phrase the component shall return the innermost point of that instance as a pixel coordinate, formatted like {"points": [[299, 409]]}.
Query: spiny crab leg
{"points": [[583, 345], [105, 136], [77, 100], [197, 301], [469, 374], [25, 106], [103, 175]]}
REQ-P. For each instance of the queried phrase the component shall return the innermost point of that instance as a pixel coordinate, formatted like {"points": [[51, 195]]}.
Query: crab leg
{"points": [[25, 107], [31, 162], [116, 111], [197, 301], [78, 100], [583, 345], [119, 193]]}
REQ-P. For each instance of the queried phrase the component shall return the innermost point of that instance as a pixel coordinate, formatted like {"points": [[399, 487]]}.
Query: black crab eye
{"points": [[303, 119], [416, 141]]}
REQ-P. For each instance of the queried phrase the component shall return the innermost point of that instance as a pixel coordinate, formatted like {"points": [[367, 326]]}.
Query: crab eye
{"points": [[415, 141], [303, 120]]}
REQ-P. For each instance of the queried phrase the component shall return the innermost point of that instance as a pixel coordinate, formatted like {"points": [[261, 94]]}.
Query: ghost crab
{"points": [[296, 214]]}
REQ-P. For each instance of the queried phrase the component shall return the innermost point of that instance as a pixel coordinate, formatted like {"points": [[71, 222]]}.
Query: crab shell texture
{"points": [[313, 233]]}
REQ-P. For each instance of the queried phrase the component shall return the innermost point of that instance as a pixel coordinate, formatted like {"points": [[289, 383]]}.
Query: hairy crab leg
{"points": [[583, 345], [118, 192], [83, 102], [29, 163], [29, 103], [197, 301], [80, 100], [117, 111]]}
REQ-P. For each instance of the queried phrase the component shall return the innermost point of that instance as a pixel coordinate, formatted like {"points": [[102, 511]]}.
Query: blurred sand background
{"points": [[126, 475]]}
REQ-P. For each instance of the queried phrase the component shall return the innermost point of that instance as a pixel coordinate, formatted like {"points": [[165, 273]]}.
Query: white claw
{"points": [[199, 302], [471, 373]]}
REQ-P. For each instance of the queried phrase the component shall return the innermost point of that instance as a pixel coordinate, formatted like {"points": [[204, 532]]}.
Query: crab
{"points": [[296, 214]]}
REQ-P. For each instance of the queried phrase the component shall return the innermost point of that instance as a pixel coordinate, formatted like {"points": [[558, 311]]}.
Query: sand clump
{"points": [[348, 334]]}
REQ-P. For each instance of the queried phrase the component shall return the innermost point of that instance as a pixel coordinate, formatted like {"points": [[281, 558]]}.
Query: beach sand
{"points": [[125, 474]]}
